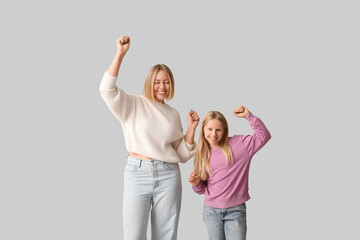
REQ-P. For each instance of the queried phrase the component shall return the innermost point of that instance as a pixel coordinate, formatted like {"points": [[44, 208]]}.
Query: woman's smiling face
{"points": [[161, 86]]}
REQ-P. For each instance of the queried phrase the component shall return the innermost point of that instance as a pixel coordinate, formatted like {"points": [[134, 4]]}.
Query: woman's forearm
{"points": [[193, 121], [189, 136], [123, 45], [114, 67]]}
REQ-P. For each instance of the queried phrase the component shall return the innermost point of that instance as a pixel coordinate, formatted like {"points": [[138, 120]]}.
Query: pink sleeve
{"points": [[200, 189], [261, 136]]}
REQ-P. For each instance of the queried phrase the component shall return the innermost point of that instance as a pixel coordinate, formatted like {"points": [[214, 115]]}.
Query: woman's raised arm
{"points": [[123, 45]]}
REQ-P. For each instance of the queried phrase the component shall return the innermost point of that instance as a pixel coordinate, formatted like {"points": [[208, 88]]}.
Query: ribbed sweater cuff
{"points": [[190, 147], [108, 81], [249, 116]]}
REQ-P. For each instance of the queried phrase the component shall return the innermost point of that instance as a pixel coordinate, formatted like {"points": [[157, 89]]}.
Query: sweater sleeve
{"points": [[261, 136], [200, 189], [184, 150], [118, 101]]}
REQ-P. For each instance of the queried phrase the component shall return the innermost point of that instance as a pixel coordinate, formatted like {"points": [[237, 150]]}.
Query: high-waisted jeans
{"points": [[226, 223], [151, 187]]}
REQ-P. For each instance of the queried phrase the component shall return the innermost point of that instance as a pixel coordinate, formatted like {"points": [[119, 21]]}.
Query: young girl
{"points": [[222, 170]]}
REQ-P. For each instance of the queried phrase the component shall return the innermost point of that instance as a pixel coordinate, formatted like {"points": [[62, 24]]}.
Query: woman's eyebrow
{"points": [[162, 80]]}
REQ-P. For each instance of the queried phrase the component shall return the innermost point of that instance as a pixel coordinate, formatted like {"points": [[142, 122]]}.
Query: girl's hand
{"points": [[123, 44], [194, 179], [193, 119], [241, 111]]}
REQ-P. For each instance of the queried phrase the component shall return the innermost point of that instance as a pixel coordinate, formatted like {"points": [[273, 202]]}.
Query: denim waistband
{"points": [[147, 162]]}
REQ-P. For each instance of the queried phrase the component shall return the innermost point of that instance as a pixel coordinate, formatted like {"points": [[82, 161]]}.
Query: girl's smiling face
{"points": [[213, 132]]}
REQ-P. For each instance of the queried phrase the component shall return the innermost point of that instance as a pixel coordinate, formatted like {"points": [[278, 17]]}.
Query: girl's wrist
{"points": [[196, 185]]}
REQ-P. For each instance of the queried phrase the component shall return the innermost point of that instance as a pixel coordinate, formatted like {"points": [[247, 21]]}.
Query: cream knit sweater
{"points": [[150, 128]]}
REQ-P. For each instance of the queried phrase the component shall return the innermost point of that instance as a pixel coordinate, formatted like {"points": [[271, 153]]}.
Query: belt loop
{"points": [[139, 164]]}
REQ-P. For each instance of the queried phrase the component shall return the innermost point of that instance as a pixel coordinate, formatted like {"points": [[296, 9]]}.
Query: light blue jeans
{"points": [[151, 187], [225, 223]]}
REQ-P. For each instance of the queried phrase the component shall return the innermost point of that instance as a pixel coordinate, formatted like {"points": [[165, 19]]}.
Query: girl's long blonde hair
{"points": [[202, 156]]}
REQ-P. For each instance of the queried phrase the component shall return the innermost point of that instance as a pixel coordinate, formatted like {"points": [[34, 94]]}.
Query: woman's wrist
{"points": [[189, 140], [120, 53], [191, 128]]}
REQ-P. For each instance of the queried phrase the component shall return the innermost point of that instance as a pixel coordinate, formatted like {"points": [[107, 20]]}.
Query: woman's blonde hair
{"points": [[202, 156], [148, 90]]}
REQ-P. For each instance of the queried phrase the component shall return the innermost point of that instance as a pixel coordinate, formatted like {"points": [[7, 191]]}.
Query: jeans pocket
{"points": [[130, 167], [244, 205], [243, 209], [172, 166]]}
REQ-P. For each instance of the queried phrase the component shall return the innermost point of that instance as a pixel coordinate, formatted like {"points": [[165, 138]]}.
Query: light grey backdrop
{"points": [[294, 64]]}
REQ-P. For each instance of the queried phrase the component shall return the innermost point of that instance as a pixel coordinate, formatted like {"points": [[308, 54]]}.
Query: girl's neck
{"points": [[214, 146]]}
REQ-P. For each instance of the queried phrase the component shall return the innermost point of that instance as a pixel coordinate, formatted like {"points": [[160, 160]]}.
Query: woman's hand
{"points": [[193, 119], [194, 179], [123, 44], [241, 111]]}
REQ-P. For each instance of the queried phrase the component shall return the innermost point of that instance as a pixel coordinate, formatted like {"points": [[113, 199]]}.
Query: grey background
{"points": [[292, 63]]}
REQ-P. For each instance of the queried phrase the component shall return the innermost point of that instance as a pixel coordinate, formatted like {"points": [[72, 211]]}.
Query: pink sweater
{"points": [[228, 184]]}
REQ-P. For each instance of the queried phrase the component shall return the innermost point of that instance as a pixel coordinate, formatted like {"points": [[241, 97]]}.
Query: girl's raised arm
{"points": [[261, 136]]}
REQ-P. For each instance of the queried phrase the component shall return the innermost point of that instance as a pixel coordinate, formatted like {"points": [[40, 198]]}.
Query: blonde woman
{"points": [[156, 144], [221, 172]]}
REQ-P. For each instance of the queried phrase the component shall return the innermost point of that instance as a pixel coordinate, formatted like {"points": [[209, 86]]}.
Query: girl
{"points": [[156, 143], [221, 172]]}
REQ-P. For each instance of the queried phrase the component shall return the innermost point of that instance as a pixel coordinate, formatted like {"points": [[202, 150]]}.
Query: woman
{"points": [[156, 143]]}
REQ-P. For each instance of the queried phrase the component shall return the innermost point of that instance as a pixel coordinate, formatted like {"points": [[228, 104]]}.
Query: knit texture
{"points": [[150, 128], [228, 184]]}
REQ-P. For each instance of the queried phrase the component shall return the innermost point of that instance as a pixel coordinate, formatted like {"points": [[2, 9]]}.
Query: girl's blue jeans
{"points": [[225, 223], [151, 188]]}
